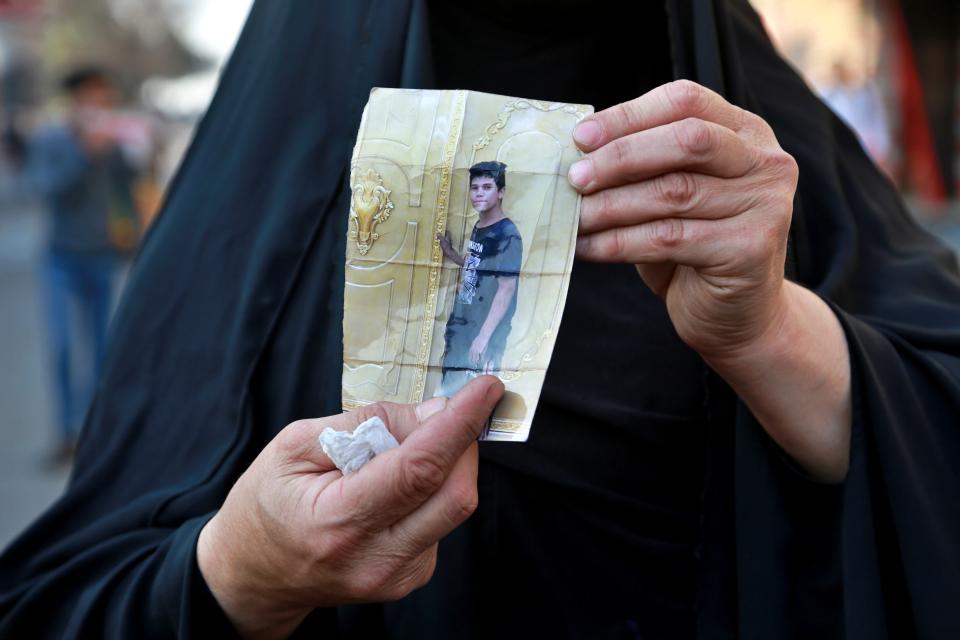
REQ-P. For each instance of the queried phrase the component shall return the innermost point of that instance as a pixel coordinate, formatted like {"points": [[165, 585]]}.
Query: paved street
{"points": [[27, 486]]}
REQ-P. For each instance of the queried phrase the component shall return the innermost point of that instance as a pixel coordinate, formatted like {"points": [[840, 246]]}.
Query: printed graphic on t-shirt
{"points": [[468, 286]]}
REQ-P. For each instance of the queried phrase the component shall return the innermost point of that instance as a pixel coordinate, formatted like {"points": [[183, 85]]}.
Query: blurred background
{"points": [[141, 73], [99, 99]]}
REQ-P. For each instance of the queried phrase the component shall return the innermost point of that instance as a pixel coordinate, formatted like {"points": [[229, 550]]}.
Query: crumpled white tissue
{"points": [[350, 450]]}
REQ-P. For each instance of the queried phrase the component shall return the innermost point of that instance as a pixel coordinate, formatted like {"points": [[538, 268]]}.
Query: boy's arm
{"points": [[446, 245], [501, 301]]}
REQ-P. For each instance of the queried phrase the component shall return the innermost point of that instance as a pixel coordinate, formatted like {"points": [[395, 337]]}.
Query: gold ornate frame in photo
{"points": [[410, 184]]}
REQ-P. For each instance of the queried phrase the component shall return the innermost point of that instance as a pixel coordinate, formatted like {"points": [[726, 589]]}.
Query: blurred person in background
{"points": [[79, 169], [860, 105]]}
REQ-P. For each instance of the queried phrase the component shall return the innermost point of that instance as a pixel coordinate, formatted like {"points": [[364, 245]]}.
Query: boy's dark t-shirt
{"points": [[493, 252]]}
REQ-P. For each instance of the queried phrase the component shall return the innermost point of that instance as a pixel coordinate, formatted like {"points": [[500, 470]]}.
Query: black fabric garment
{"points": [[231, 329], [615, 460]]}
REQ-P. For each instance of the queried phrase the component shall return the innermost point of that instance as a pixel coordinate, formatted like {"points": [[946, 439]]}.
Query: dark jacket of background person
{"points": [[89, 199], [232, 329], [81, 191]]}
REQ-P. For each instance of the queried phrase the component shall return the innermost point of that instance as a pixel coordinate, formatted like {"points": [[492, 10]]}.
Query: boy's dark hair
{"points": [[490, 169], [84, 76]]}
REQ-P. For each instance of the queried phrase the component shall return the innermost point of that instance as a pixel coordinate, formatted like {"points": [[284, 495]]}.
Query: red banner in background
{"points": [[923, 171], [19, 8]]}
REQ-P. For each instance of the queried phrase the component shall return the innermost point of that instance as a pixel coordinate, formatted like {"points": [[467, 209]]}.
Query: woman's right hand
{"points": [[295, 534]]}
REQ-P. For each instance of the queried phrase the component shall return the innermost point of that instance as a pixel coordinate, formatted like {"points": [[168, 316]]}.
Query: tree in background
{"points": [[137, 39]]}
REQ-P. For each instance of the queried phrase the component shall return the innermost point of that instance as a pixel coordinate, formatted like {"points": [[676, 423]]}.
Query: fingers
{"points": [[445, 510], [670, 174], [682, 194], [395, 483], [668, 103], [690, 145], [299, 439], [298, 442], [695, 243]]}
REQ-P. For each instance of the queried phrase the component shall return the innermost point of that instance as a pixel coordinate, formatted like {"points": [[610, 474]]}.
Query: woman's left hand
{"points": [[699, 195]]}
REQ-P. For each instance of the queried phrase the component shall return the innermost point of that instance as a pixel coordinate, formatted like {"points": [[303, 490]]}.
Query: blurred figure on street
{"points": [[859, 103], [78, 167]]}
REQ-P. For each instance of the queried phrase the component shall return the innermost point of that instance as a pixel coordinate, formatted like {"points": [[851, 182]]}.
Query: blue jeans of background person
{"points": [[84, 283]]}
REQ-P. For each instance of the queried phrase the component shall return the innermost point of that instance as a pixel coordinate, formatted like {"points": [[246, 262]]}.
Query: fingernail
{"points": [[426, 409], [581, 173], [587, 133]]}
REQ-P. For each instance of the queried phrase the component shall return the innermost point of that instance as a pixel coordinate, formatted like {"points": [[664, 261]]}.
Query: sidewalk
{"points": [[26, 427]]}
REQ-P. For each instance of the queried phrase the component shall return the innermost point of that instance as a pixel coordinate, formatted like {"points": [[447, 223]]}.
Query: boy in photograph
{"points": [[479, 324]]}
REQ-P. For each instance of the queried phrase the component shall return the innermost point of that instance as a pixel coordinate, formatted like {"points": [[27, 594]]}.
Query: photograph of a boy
{"points": [[479, 323]]}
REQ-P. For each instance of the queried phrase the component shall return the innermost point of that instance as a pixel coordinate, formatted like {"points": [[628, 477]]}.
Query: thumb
{"points": [[393, 484]]}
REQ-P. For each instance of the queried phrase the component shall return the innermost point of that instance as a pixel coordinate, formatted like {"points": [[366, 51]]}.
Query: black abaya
{"points": [[231, 328]]}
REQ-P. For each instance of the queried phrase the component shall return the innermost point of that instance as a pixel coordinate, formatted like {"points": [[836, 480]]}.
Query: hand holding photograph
{"points": [[460, 243]]}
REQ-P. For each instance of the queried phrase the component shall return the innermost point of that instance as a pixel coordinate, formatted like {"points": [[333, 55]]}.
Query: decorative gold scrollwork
{"points": [[369, 206], [520, 105]]}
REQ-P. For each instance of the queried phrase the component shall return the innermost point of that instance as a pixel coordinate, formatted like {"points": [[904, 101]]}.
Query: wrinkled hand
{"points": [[699, 195], [294, 534]]}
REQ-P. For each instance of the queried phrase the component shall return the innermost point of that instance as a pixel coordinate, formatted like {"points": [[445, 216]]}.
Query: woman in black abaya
{"points": [[649, 501]]}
